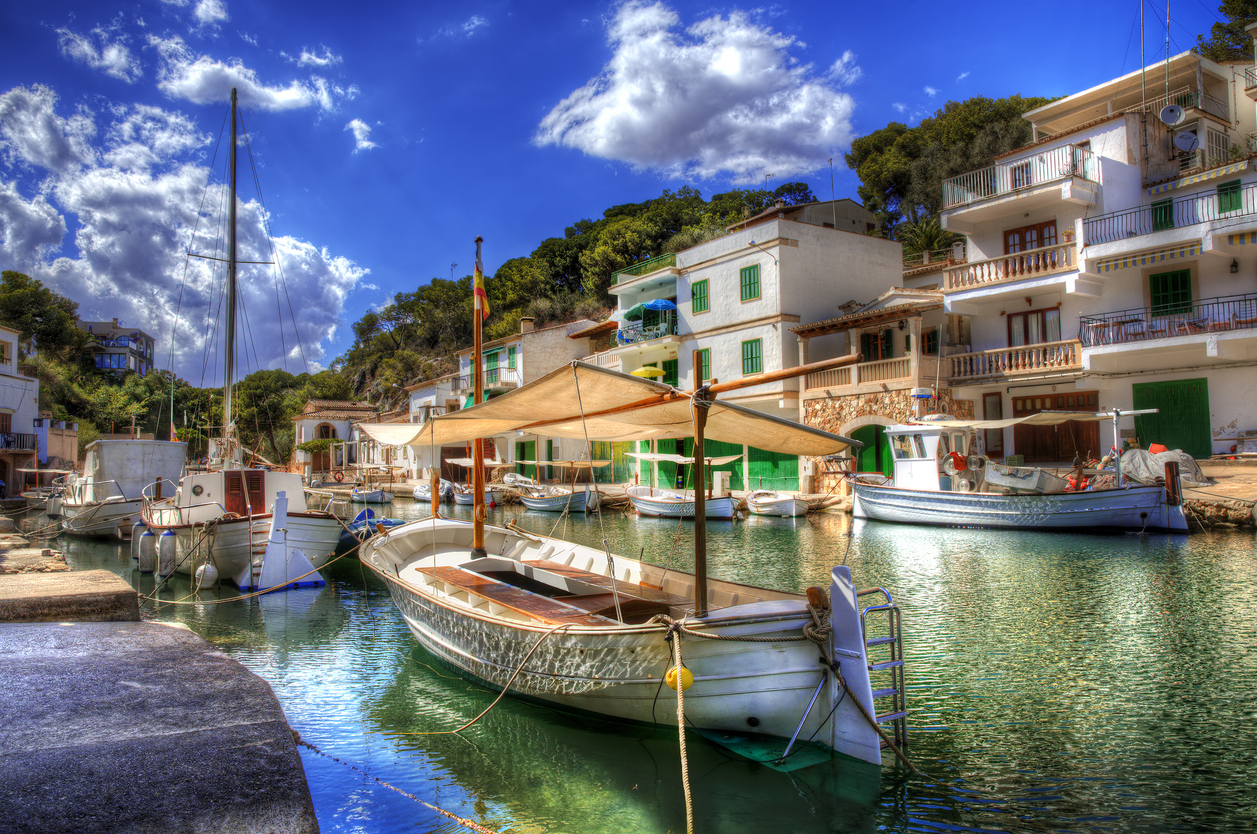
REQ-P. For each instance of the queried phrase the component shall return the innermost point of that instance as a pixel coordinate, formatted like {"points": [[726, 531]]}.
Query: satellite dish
{"points": [[1186, 140], [1171, 114]]}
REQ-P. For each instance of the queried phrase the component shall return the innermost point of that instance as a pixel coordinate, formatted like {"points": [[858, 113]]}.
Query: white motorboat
{"points": [[767, 502], [581, 629], [936, 483], [361, 495], [466, 497], [222, 518], [423, 491], [105, 499], [557, 499], [663, 503]]}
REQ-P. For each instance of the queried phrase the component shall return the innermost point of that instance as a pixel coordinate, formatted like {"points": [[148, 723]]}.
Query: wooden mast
{"points": [[700, 402], [477, 455], [231, 291]]}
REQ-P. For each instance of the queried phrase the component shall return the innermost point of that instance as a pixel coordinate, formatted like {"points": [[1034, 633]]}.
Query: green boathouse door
{"points": [[1182, 421], [875, 455]]}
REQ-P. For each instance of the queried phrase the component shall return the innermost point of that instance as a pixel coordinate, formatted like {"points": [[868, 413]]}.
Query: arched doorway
{"points": [[321, 461], [875, 455]]}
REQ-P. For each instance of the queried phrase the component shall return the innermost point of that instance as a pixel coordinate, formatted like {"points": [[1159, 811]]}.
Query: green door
{"points": [[526, 451], [1182, 420], [491, 368], [773, 470], [874, 456]]}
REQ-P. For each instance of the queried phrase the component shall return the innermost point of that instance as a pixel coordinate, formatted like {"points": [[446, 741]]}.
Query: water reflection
{"points": [[1086, 683]]}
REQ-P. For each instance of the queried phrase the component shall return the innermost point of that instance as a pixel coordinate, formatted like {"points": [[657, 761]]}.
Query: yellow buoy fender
{"points": [[687, 678]]}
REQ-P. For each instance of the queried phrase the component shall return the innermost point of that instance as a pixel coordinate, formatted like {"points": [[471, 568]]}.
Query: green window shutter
{"points": [[907, 343], [1162, 215], [671, 372], [750, 282], [1229, 197], [698, 297], [886, 342], [705, 363], [510, 358], [866, 346], [752, 362], [1170, 292], [931, 342]]}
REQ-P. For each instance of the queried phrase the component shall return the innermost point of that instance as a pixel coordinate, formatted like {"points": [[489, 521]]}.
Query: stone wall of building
{"points": [[843, 415]]}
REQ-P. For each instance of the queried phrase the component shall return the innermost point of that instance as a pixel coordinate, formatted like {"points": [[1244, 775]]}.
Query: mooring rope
{"points": [[674, 635]]}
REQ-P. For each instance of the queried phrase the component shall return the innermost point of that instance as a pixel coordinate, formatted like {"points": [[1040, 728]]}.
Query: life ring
{"points": [[339, 476], [958, 460]]}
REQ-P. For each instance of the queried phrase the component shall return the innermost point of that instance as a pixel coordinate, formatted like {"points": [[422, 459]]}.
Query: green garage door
{"points": [[1182, 421], [875, 455]]}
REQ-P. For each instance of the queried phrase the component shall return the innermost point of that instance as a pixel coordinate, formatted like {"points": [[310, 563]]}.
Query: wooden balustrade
{"points": [[884, 370], [1042, 261], [1016, 361], [832, 378]]}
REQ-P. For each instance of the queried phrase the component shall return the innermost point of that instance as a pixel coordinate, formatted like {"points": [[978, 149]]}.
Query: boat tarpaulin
{"points": [[658, 457], [614, 406]]}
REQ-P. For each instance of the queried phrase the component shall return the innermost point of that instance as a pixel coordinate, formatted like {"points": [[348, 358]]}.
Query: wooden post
{"points": [[701, 398], [477, 455], [434, 481]]}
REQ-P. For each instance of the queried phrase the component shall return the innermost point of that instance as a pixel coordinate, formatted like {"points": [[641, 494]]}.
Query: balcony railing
{"points": [[1024, 360], [632, 332], [1019, 174], [645, 268], [1176, 213], [1186, 98], [883, 370], [1045, 260], [1210, 315], [606, 359], [13, 441], [501, 376]]}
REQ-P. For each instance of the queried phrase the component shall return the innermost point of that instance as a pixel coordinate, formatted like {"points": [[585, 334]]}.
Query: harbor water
{"points": [[1057, 682]]}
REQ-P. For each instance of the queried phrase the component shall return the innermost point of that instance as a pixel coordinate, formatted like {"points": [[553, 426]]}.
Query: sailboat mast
{"points": [[702, 398], [231, 284], [477, 455]]}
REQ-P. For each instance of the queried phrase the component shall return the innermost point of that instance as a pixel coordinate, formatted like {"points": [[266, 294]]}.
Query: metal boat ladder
{"points": [[884, 650]]}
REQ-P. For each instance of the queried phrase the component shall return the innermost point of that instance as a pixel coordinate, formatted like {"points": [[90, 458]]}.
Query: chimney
{"points": [[525, 325], [115, 322]]}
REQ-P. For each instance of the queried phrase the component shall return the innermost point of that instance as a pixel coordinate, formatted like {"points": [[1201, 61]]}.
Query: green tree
{"points": [[45, 319], [261, 409], [1227, 40]]}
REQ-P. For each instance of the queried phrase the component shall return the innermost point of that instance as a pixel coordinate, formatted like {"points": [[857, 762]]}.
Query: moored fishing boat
{"points": [[767, 502], [557, 499], [936, 483], [423, 491], [663, 503], [105, 499]]}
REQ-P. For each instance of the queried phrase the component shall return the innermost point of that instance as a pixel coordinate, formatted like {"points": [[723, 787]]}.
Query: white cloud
{"points": [[462, 30], [134, 202], [931, 92], [362, 135], [722, 98], [99, 52], [845, 71], [309, 59], [204, 80], [210, 12], [963, 76]]}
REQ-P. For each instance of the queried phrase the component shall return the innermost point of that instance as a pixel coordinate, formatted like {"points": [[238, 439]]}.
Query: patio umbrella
{"points": [[648, 372], [637, 311]]}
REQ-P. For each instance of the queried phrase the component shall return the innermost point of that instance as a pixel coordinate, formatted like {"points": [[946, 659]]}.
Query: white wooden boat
{"points": [[767, 502], [105, 499], [222, 518], [923, 492], [574, 650], [362, 495], [423, 491], [558, 499], [663, 503], [466, 497]]}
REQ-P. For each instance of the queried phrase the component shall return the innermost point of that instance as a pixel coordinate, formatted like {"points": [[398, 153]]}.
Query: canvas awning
{"points": [[577, 464], [1043, 418], [657, 457], [472, 462], [1173, 253], [616, 407], [1225, 170]]}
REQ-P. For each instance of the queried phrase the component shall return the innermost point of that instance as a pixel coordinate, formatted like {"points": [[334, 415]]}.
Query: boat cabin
{"points": [[205, 496], [920, 453]]}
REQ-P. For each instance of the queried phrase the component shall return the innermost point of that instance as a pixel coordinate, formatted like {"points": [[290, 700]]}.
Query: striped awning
{"points": [[1195, 178], [1241, 239], [1173, 253]]}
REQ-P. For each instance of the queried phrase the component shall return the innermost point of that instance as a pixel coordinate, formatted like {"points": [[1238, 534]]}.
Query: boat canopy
{"points": [[580, 401], [472, 462], [571, 464], [1043, 418], [653, 457]]}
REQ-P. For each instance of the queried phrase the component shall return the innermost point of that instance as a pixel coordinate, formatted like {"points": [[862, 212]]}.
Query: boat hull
{"points": [[370, 496], [1134, 508], [776, 504], [466, 499], [230, 545], [99, 518], [762, 684], [669, 505], [577, 502]]}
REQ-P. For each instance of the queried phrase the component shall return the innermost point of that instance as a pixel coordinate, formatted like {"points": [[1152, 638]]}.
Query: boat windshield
{"points": [[908, 446]]}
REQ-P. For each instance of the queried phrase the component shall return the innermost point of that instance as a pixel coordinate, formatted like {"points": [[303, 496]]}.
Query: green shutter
{"points": [[510, 358], [1183, 418], [750, 282], [886, 345], [931, 342], [671, 372], [866, 346], [1170, 292], [704, 370], [1229, 197], [752, 362], [1162, 215], [698, 297]]}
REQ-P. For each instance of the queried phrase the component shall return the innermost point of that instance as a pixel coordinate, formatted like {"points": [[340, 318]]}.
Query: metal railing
{"points": [[1033, 262], [920, 259], [1175, 213], [501, 376], [606, 359], [1016, 361], [1209, 315], [1186, 98], [632, 332], [645, 267], [1020, 173], [18, 442], [1250, 76]]}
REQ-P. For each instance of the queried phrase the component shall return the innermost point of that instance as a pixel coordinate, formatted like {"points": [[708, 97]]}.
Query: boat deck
{"points": [[521, 601]]}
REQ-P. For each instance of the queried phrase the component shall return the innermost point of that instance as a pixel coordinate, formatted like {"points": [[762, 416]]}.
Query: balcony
{"points": [[635, 332], [1211, 315], [494, 379], [606, 359], [1033, 263], [899, 373], [1176, 213], [15, 442], [1021, 175], [645, 268], [1014, 362], [1188, 99]]}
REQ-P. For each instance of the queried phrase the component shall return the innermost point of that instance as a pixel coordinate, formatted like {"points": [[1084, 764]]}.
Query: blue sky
{"points": [[388, 136]]}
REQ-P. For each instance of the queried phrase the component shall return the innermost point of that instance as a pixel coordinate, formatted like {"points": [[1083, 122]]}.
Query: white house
{"points": [[1111, 264], [736, 300], [331, 420], [19, 408]]}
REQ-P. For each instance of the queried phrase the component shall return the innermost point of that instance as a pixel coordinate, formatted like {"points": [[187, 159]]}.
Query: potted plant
{"points": [[1068, 235]]}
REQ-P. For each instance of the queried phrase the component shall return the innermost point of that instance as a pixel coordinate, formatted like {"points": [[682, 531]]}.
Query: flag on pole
{"points": [[482, 297], [174, 435]]}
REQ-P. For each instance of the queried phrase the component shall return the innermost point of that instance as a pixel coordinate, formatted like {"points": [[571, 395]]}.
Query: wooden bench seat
{"points": [[624, 589], [551, 611]]}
